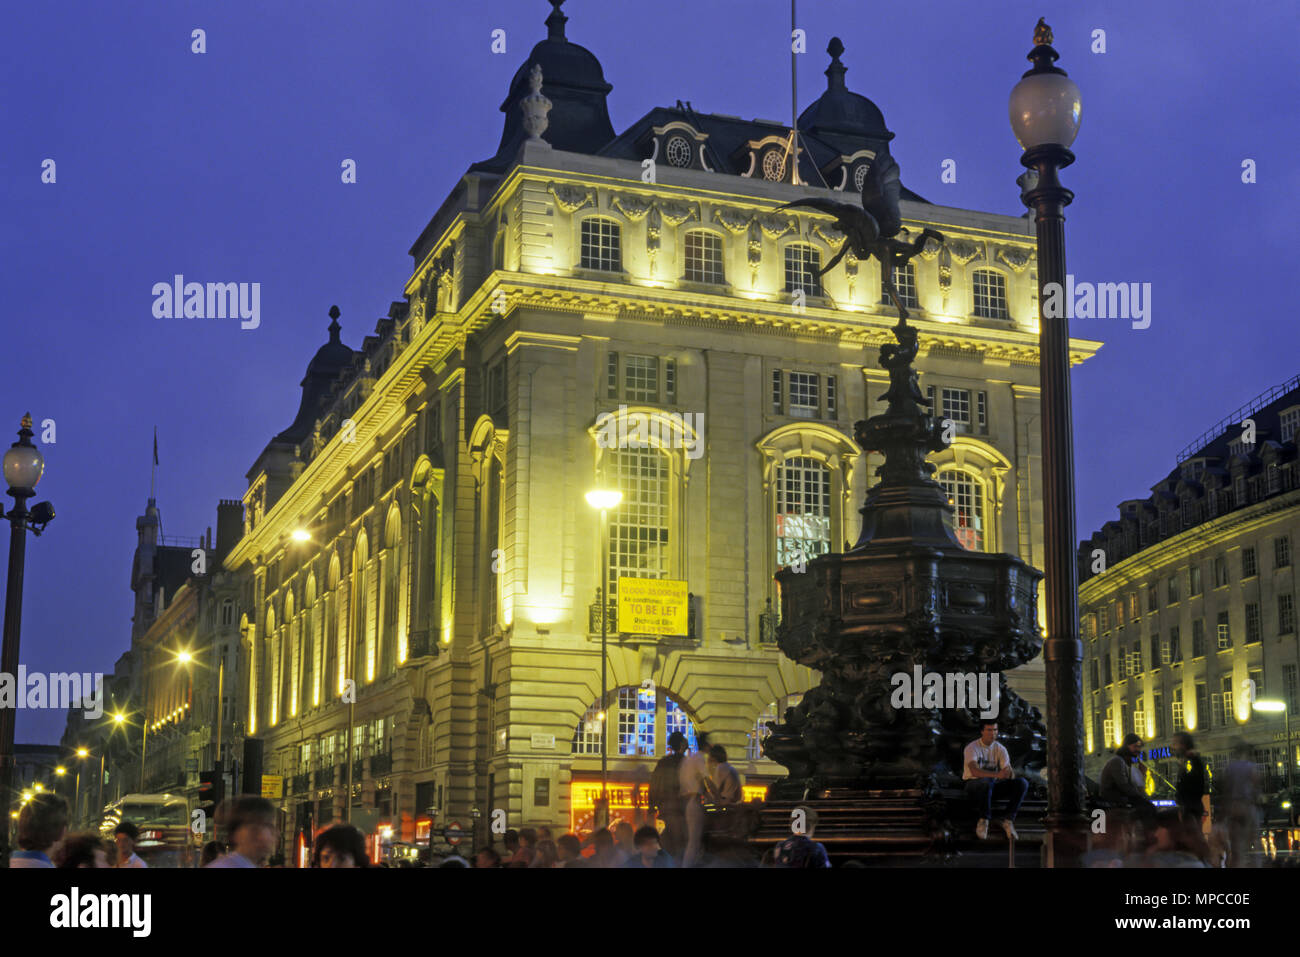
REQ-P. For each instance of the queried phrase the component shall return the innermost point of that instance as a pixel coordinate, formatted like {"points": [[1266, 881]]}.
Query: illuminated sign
{"points": [[1155, 754], [273, 786], [652, 606], [627, 802]]}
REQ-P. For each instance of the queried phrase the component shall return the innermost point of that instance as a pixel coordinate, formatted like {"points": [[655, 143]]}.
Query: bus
{"points": [[164, 823]]}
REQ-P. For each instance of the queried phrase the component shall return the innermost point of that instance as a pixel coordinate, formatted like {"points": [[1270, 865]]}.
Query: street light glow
{"points": [[1271, 705], [604, 498], [83, 752], [300, 535]]}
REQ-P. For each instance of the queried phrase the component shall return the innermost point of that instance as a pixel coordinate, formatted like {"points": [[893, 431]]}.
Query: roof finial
{"points": [[1042, 33], [555, 22], [835, 72], [334, 323]]}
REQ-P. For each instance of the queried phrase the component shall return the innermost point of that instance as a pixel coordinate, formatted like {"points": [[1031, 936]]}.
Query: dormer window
{"points": [[677, 151], [1290, 424]]}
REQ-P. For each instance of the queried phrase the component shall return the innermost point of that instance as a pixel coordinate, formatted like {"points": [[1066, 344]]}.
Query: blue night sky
{"points": [[226, 167]]}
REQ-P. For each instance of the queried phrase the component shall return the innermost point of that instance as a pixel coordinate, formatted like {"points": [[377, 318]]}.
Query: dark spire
{"points": [[835, 72], [555, 22]]}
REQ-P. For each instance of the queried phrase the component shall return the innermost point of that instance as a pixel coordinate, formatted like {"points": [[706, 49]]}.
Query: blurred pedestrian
{"points": [[126, 835], [80, 850], [607, 853], [544, 833], [1123, 783], [250, 824], [546, 855], [523, 855], [693, 771], [42, 822], [801, 850], [568, 851], [625, 839], [1240, 805], [488, 857], [342, 845], [211, 851], [665, 796], [1192, 785], [649, 853], [722, 783]]}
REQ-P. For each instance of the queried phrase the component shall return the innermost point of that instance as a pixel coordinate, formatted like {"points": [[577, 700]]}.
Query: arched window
{"points": [[966, 495], [990, 288], [637, 723], [803, 510], [802, 263], [905, 283], [703, 257], [601, 245], [638, 528], [388, 635], [426, 744], [360, 661], [773, 713]]}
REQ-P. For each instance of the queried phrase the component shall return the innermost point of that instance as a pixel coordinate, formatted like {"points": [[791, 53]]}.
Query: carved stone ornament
{"points": [[829, 235], [731, 220], [535, 107], [633, 207], [963, 250], [931, 249], [677, 213], [1015, 257], [652, 230], [774, 227], [572, 198]]}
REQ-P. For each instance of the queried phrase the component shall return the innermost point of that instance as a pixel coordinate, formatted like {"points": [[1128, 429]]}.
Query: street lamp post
{"points": [[604, 499], [1044, 112], [82, 754], [23, 467]]}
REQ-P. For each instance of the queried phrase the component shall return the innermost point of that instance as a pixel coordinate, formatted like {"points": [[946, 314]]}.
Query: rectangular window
{"points": [[641, 379], [1286, 614], [703, 257], [830, 397], [1094, 673], [1176, 708], [1282, 551], [1108, 728], [905, 283], [1157, 658], [803, 511], [1252, 624], [611, 376], [802, 264], [1290, 422], [670, 381], [1220, 571], [600, 245], [1173, 589], [1105, 668], [1203, 704], [1291, 687], [638, 528], [1248, 565], [1140, 717], [495, 399], [805, 400], [1175, 646], [990, 294], [1225, 633], [1153, 597], [956, 406], [982, 411], [1198, 638], [777, 405], [1194, 580]]}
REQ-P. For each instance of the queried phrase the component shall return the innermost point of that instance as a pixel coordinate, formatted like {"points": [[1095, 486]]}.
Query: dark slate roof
{"points": [[572, 79], [838, 123], [330, 359]]}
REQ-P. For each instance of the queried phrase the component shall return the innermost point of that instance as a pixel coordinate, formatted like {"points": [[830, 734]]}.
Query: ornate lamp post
{"points": [[23, 466], [604, 499], [1044, 113]]}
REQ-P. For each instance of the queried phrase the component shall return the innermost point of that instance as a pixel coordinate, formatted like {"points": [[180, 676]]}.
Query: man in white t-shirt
{"points": [[986, 771]]}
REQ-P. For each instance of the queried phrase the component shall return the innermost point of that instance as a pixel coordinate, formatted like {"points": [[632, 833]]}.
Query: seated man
{"points": [[986, 769], [1123, 780]]}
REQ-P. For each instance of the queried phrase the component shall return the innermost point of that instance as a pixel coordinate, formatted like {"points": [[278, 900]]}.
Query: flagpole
{"points": [[153, 469]]}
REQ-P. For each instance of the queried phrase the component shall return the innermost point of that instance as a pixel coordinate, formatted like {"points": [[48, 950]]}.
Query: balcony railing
{"points": [[324, 777], [381, 764], [301, 782]]}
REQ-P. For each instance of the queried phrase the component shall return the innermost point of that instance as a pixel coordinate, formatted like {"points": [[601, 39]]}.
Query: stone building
{"points": [[632, 310], [1188, 599]]}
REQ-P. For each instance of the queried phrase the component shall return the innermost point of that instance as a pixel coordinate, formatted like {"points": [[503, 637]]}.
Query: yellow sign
{"points": [[652, 606], [273, 786]]}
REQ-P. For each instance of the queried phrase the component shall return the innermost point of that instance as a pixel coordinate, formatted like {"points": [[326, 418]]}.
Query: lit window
{"points": [[1176, 707], [677, 720], [600, 245], [638, 528], [802, 263], [905, 283], [803, 511], [966, 494], [1225, 633], [990, 294], [804, 395], [703, 257], [641, 378], [773, 713], [636, 721], [586, 736]]}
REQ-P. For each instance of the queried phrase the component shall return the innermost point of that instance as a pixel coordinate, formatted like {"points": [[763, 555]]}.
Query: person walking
{"points": [[665, 797], [693, 772], [1240, 806], [1192, 785], [250, 823], [126, 835], [41, 824]]}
